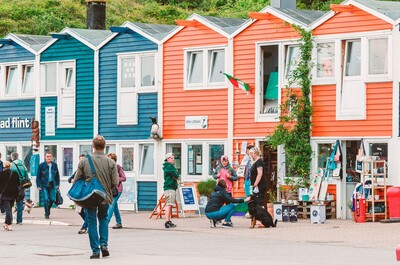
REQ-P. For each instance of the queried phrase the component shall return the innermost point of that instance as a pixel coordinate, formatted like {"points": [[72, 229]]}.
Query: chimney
{"points": [[289, 4], [96, 14]]}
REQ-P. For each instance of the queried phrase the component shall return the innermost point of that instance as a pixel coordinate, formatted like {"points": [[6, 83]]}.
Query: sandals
{"points": [[7, 228]]}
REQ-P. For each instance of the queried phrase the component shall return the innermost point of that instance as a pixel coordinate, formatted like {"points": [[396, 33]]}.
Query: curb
{"points": [[41, 222]]}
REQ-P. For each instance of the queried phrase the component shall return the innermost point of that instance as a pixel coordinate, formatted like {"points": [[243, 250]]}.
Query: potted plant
{"points": [[205, 188], [271, 201]]}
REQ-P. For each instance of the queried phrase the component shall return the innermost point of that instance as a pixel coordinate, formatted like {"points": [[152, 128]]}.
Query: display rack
{"points": [[375, 190]]}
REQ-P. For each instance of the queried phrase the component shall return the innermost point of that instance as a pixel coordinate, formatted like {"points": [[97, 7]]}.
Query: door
{"points": [[66, 99]]}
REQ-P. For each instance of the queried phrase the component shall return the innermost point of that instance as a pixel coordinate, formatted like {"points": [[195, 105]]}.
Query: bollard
{"points": [[398, 252]]}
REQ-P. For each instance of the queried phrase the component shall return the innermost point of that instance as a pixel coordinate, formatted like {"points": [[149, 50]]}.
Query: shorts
{"points": [[170, 197]]}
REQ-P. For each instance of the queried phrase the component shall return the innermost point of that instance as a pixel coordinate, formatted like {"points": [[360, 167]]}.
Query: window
{"points": [[110, 148], [325, 60], [27, 79], [26, 157], [205, 68], [11, 81], [147, 159], [9, 150], [50, 80], [379, 149], [136, 74], [353, 58], [85, 150], [127, 158], [176, 149], [378, 56], [215, 153], [324, 151], [292, 60], [52, 149], [68, 160], [195, 160]]}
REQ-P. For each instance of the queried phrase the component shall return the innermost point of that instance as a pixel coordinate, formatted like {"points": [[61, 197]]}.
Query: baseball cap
{"points": [[168, 155]]}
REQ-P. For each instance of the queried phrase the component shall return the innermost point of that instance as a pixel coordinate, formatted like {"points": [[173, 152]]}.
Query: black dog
{"points": [[258, 212]]}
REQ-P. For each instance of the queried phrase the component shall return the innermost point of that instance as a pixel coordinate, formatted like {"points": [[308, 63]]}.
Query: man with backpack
{"points": [[18, 166]]}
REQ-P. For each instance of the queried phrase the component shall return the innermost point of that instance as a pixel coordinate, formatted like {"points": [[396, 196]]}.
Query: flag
{"points": [[238, 83]]}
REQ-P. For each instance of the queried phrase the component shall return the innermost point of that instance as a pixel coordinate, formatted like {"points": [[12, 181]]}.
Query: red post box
{"points": [[360, 211], [393, 194]]}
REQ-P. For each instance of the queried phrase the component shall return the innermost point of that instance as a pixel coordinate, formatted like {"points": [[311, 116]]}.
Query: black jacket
{"points": [[218, 198], [11, 189]]}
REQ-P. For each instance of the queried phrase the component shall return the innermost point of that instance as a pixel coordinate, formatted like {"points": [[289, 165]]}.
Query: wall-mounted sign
{"points": [[50, 113], [196, 122], [15, 122]]}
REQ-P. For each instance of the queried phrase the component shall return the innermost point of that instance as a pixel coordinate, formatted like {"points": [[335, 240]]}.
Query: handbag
{"points": [[59, 198], [360, 157], [87, 194], [114, 192]]}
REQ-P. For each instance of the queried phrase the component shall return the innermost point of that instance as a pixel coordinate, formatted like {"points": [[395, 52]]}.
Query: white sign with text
{"points": [[196, 122]]}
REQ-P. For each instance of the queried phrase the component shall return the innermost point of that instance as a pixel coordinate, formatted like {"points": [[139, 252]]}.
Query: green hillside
{"points": [[45, 16]]}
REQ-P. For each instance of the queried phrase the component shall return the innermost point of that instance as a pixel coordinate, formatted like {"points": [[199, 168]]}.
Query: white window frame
{"points": [[134, 90], [267, 117], [379, 77], [24, 69], [287, 47], [43, 79], [325, 80], [205, 157], [19, 75], [205, 84], [138, 151]]}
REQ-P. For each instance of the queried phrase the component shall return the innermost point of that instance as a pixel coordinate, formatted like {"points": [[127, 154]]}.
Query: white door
{"points": [[66, 99], [352, 96]]}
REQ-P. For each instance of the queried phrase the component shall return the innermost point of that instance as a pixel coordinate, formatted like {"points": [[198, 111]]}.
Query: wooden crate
{"points": [[303, 209]]}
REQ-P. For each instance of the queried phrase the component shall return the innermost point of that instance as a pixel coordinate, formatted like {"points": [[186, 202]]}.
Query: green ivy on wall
{"points": [[294, 128]]}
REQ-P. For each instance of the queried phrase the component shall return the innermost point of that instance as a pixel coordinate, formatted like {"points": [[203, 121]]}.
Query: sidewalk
{"points": [[334, 231]]}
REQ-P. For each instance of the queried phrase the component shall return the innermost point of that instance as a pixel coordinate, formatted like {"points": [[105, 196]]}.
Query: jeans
{"points": [[20, 209], [49, 196], [95, 240], [247, 187], [113, 209], [225, 212], [83, 214], [8, 210]]}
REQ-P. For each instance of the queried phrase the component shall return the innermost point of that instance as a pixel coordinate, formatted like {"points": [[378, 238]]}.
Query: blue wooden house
{"points": [[68, 97], [19, 93], [129, 87]]}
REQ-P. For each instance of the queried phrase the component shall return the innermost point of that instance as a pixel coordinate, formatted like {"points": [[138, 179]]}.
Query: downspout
{"points": [[96, 93], [230, 102]]}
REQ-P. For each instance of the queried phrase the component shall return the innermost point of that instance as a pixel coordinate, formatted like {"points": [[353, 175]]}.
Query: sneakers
{"points": [[117, 226], [46, 217], [104, 251], [169, 224], [275, 222], [227, 225], [95, 256], [82, 231]]}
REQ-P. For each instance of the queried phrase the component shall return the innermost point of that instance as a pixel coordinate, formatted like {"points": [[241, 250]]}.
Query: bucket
{"points": [[305, 197]]}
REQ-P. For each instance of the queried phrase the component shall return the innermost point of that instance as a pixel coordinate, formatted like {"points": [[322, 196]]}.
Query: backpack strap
{"points": [[91, 165], [19, 172]]}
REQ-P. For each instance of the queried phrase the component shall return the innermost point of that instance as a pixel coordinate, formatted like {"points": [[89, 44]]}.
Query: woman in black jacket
{"points": [[9, 183], [215, 211]]}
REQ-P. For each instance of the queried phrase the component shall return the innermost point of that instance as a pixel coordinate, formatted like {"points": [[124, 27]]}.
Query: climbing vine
{"points": [[294, 128]]}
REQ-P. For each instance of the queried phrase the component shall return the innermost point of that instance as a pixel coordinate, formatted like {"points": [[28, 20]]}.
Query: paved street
{"points": [[145, 241]]}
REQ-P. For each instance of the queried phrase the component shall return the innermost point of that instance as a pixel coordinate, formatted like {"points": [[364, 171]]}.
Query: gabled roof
{"points": [[224, 26], [89, 37], [32, 43], [302, 18], [388, 11], [92, 36], [156, 31], [228, 25]]}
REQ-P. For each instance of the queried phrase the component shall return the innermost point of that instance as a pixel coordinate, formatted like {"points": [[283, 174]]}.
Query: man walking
{"points": [[48, 180], [18, 166], [171, 177], [106, 172]]}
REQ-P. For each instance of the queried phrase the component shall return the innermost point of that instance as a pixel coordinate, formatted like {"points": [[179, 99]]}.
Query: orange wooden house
{"points": [[355, 87]]}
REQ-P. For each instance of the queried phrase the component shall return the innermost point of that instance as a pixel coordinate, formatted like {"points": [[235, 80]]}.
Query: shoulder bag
{"points": [[24, 181], [87, 194]]}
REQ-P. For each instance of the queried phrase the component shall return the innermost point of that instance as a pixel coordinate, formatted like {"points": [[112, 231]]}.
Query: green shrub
{"points": [[206, 187]]}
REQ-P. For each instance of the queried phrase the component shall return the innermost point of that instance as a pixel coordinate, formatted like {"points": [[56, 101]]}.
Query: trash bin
{"points": [[393, 194]]}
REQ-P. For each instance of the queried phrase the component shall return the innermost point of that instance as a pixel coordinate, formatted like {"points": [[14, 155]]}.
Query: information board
{"points": [[188, 196]]}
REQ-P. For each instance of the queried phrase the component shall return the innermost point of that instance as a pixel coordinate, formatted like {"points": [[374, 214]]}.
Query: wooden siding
{"points": [[147, 103], [22, 109], [379, 113], [178, 103], [147, 195], [245, 67], [354, 22], [15, 53], [71, 49]]}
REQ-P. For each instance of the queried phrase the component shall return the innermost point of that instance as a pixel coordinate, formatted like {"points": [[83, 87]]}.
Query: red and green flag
{"points": [[238, 83]]}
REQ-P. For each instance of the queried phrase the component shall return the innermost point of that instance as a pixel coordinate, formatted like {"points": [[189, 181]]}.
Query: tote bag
{"points": [[360, 157], [87, 194]]}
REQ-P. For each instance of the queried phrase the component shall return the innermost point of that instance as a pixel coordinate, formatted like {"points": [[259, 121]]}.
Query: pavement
{"points": [[333, 232]]}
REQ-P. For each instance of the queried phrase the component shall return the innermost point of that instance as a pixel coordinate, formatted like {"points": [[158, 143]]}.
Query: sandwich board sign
{"points": [[188, 196]]}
